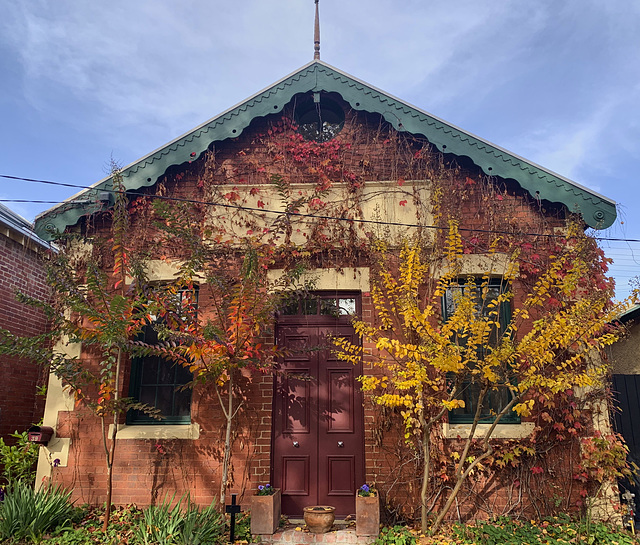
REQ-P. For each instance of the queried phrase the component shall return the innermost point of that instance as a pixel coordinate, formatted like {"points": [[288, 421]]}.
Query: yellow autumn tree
{"points": [[450, 345]]}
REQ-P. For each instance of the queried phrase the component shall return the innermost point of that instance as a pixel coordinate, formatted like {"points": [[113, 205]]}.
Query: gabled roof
{"points": [[19, 229], [632, 313], [597, 211]]}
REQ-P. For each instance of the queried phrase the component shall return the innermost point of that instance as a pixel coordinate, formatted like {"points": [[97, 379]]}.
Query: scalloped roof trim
{"points": [[597, 211]]}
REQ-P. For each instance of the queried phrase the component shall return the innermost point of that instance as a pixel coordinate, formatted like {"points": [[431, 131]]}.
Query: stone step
{"points": [[294, 533]]}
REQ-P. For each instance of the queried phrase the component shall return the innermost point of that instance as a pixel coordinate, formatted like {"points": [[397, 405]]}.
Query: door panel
{"points": [[340, 476], [341, 400], [295, 473], [296, 411], [318, 440]]}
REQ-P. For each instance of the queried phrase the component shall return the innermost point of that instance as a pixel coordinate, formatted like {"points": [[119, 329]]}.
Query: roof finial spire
{"points": [[316, 36]]}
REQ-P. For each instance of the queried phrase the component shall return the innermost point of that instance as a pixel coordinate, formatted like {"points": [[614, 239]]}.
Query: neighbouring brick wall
{"points": [[21, 269]]}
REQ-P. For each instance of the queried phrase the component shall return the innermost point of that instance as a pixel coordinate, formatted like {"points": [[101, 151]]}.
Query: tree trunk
{"points": [[488, 451], [107, 511], [426, 452], [111, 450], [456, 489], [229, 414]]}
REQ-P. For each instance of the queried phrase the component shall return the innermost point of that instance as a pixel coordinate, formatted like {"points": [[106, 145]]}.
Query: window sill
{"points": [[159, 431], [502, 431]]}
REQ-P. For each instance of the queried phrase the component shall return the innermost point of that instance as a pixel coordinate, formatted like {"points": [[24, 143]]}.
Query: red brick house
{"points": [[22, 269], [347, 151]]}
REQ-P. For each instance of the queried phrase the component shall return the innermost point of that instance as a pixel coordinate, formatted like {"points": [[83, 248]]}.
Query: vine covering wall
{"points": [[320, 205]]}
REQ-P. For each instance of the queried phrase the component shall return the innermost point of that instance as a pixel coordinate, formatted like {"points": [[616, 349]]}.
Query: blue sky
{"points": [[555, 82]]}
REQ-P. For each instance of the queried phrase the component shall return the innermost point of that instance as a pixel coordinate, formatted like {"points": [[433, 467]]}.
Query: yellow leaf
{"points": [[453, 404], [524, 408]]}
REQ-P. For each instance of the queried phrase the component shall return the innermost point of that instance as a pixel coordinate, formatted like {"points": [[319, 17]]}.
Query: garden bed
{"points": [[85, 528]]}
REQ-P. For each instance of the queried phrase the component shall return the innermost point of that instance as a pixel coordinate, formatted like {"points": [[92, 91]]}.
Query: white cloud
{"points": [[437, 50], [554, 82], [138, 62], [565, 147], [169, 63]]}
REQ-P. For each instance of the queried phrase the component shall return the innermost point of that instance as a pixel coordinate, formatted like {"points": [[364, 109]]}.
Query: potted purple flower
{"points": [[367, 511], [265, 510], [265, 490]]}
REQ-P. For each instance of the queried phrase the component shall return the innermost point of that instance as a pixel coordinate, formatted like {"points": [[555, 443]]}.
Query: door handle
{"points": [[296, 444], [340, 444]]}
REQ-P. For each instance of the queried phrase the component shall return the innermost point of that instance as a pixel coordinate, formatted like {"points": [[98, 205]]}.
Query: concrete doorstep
{"points": [[295, 532]]}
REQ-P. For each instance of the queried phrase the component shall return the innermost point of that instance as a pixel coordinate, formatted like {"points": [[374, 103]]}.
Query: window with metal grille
{"points": [[496, 399], [160, 383]]}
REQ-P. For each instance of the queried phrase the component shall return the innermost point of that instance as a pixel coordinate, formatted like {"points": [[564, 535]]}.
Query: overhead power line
{"points": [[283, 212], [49, 182]]}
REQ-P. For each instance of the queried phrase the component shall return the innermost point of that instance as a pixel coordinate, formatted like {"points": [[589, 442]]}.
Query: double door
{"points": [[318, 438]]}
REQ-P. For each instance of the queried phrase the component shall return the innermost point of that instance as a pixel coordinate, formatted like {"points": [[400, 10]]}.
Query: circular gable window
{"points": [[320, 119]]}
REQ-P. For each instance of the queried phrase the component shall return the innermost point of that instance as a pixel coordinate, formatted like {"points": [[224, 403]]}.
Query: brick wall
{"points": [[146, 470], [21, 269]]}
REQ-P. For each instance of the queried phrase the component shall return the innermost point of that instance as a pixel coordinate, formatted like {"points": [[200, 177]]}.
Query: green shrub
{"points": [[243, 528], [181, 524], [25, 513], [19, 460], [556, 531], [396, 535]]}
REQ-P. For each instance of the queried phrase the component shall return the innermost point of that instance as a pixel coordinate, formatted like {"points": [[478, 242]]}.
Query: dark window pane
{"points": [[319, 120], [150, 335], [452, 295], [166, 372], [310, 307], [314, 305], [183, 375], [148, 395], [500, 398], [182, 403], [329, 307], [469, 394], [149, 370], [165, 400], [290, 308]]}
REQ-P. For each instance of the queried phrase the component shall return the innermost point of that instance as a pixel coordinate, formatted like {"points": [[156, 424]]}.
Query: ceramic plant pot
{"points": [[265, 513], [367, 515], [319, 518]]}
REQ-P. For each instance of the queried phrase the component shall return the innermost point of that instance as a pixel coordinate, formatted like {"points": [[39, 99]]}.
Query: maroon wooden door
{"points": [[318, 438]]}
